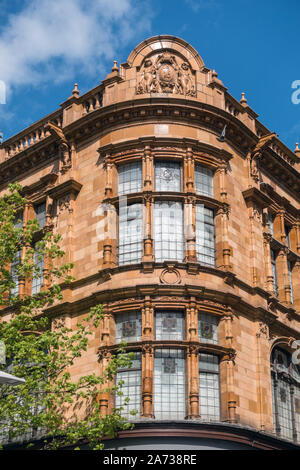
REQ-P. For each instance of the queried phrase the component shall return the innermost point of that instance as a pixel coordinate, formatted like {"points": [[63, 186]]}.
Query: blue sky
{"points": [[47, 45]]}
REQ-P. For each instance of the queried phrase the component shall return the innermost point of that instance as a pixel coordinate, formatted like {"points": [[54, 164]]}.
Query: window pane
{"points": [[205, 235], [208, 328], [287, 230], [130, 234], [274, 272], [128, 327], [40, 213], [209, 390], [37, 281], [291, 280], [18, 222], [130, 178], [168, 231], [169, 325], [271, 223], [14, 273], [131, 388], [167, 176], [204, 181], [169, 384]]}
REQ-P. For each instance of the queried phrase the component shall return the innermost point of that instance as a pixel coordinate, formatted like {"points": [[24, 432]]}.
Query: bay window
{"points": [[169, 325], [168, 231], [205, 235], [130, 234], [131, 387], [130, 178], [167, 176], [204, 181], [169, 384], [209, 389]]}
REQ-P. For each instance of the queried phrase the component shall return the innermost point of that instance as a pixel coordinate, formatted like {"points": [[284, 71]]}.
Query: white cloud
{"points": [[197, 5], [47, 39]]}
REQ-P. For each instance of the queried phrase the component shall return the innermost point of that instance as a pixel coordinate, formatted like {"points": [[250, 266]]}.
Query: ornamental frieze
{"points": [[164, 74]]}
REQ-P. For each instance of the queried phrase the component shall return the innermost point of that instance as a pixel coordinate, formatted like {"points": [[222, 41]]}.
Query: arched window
{"points": [[285, 394]]}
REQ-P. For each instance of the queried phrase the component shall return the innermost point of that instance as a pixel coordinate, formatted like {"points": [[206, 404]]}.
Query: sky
{"points": [[48, 45]]}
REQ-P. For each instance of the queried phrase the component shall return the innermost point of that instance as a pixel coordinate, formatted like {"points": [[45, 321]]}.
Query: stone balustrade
{"points": [[29, 137], [92, 103]]}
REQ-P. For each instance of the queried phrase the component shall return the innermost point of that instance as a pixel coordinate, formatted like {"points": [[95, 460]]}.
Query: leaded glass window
{"points": [[287, 230], [18, 222], [130, 178], [37, 280], [205, 235], [128, 327], [168, 231], [131, 388], [130, 234], [274, 272], [209, 388], [204, 181], [169, 384], [169, 325], [14, 273], [40, 213], [208, 328], [167, 176], [285, 394]]}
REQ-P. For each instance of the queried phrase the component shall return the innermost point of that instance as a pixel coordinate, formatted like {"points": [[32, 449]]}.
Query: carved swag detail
{"points": [[165, 75]]}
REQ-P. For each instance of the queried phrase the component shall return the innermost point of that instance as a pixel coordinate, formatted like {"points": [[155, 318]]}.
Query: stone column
{"points": [[189, 173], [190, 229], [192, 321], [147, 320], [193, 381], [148, 169], [268, 264], [223, 249], [109, 165], [229, 399], [110, 241], [148, 256], [104, 397], [284, 288], [296, 285], [147, 381]]}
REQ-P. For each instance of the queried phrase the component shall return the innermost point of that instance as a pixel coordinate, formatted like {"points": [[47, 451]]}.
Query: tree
{"points": [[41, 350]]}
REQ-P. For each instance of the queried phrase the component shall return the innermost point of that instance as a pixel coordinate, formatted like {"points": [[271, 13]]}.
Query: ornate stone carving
{"points": [[170, 275], [163, 74]]}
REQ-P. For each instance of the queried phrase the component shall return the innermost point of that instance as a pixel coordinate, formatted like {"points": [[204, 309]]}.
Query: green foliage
{"points": [[42, 350]]}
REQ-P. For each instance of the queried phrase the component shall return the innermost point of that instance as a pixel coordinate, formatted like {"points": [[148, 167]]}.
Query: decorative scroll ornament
{"points": [[164, 75]]}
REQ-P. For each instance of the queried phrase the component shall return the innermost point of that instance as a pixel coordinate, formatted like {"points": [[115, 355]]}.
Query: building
{"points": [[181, 212]]}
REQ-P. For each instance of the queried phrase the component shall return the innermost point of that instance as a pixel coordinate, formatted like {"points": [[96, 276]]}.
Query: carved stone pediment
{"points": [[166, 73]]}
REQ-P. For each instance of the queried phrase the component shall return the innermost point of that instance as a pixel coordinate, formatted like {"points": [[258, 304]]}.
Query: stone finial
{"points": [[297, 150], [243, 100], [214, 75], [75, 92], [115, 67]]}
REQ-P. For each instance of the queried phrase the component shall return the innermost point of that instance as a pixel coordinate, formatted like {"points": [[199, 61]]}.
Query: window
{"points": [[289, 264], [209, 389], [37, 280], [287, 230], [40, 213], [271, 223], [131, 388], [128, 327], [205, 235], [167, 176], [168, 231], [285, 394], [130, 234], [208, 328], [204, 181], [14, 273], [274, 272], [169, 384], [169, 325], [130, 178]]}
